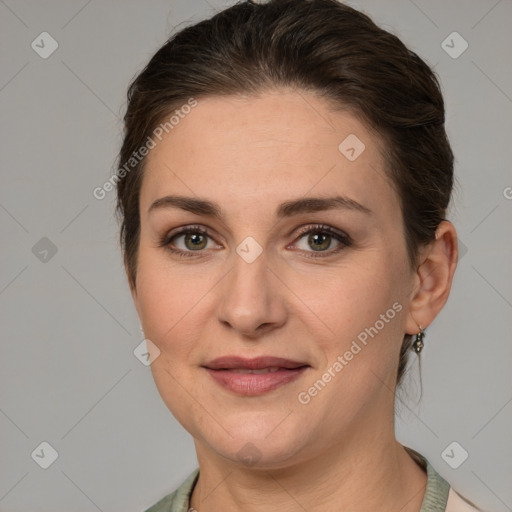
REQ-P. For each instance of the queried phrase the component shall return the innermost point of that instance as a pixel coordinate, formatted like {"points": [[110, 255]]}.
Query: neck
{"points": [[360, 473]]}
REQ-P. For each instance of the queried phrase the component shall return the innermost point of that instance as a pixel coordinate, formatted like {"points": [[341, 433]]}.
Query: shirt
{"points": [[439, 496]]}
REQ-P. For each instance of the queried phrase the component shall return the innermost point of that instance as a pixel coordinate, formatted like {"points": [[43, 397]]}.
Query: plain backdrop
{"points": [[68, 373]]}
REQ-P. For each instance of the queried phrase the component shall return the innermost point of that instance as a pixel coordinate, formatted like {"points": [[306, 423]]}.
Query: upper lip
{"points": [[256, 363]]}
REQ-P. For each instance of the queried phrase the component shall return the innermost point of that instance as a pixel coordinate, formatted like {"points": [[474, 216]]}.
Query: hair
{"points": [[321, 46]]}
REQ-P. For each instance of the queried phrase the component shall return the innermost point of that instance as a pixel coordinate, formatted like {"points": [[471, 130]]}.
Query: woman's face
{"points": [[269, 272]]}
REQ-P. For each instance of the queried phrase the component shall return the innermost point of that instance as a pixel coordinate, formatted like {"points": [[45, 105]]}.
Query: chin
{"points": [[258, 454], [256, 440]]}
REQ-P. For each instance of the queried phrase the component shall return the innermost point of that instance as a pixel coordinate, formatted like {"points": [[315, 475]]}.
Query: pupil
{"points": [[319, 241], [195, 239]]}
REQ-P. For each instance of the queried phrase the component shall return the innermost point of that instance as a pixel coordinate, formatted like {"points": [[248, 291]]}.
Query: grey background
{"points": [[68, 375]]}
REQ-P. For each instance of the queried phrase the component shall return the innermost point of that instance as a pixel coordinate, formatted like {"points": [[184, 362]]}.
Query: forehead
{"points": [[267, 148]]}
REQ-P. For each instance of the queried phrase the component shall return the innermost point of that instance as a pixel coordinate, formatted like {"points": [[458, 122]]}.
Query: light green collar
{"points": [[436, 492]]}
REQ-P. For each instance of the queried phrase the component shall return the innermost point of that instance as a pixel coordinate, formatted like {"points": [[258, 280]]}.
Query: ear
{"points": [[433, 278]]}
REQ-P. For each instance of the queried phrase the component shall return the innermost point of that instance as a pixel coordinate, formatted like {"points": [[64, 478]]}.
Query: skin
{"points": [[249, 155]]}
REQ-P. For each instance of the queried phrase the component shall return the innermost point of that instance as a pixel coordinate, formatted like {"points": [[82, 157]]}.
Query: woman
{"points": [[284, 183]]}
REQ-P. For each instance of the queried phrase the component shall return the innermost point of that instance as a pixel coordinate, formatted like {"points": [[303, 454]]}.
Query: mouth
{"points": [[256, 372], [252, 377]]}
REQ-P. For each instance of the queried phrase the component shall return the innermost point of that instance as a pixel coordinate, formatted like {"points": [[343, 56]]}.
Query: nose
{"points": [[252, 300]]}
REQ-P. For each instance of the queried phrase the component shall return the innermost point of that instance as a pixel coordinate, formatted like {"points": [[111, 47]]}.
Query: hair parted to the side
{"points": [[321, 46]]}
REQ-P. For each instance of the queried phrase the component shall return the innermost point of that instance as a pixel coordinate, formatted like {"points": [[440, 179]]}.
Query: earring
{"points": [[417, 344]]}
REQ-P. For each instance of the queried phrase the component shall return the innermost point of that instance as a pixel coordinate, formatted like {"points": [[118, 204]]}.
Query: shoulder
{"points": [[177, 501], [457, 503], [439, 495]]}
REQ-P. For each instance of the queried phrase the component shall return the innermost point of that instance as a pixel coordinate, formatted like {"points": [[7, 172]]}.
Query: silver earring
{"points": [[418, 344]]}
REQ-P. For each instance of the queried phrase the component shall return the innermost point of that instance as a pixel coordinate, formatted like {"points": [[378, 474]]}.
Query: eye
{"points": [[193, 240], [320, 239], [189, 240]]}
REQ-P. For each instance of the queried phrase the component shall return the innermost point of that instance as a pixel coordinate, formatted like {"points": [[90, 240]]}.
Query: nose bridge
{"points": [[250, 297]]}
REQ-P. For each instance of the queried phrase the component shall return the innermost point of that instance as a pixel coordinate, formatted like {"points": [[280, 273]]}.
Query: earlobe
{"points": [[434, 278]]}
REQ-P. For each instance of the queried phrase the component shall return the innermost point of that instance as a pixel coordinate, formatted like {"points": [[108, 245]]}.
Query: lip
{"points": [[256, 363], [252, 384]]}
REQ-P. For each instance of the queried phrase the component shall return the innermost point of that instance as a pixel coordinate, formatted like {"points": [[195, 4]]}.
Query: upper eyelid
{"points": [[302, 231]]}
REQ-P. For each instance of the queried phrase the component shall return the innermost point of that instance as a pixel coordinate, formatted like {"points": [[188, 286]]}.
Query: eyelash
{"points": [[343, 239]]}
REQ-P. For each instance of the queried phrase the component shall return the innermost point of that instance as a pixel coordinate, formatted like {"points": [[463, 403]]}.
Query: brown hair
{"points": [[322, 46]]}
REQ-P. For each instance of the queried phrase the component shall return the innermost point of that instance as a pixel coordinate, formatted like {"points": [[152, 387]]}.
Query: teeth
{"points": [[247, 370]]}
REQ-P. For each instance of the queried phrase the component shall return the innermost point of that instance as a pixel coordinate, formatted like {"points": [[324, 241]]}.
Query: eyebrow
{"points": [[286, 209]]}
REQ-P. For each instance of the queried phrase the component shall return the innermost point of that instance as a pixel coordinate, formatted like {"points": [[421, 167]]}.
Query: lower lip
{"points": [[252, 384]]}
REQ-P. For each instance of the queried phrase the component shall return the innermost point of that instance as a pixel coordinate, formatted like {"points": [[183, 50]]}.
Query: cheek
{"points": [[348, 299], [361, 321], [359, 353], [167, 301]]}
